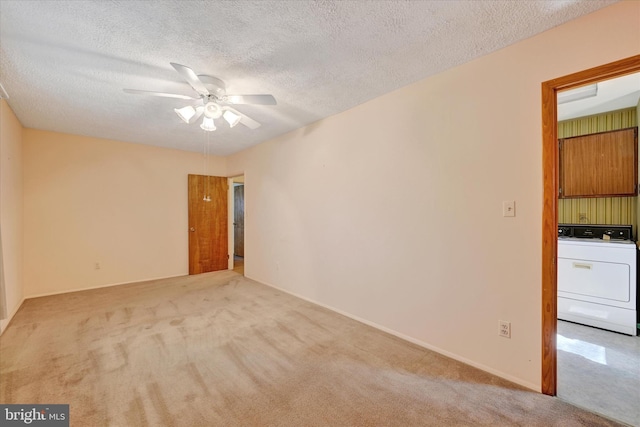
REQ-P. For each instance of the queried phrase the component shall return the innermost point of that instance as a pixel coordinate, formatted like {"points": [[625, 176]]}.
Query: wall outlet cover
{"points": [[504, 328]]}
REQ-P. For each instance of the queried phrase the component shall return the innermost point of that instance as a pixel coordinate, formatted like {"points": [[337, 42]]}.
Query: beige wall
{"points": [[391, 212], [89, 201], [11, 209]]}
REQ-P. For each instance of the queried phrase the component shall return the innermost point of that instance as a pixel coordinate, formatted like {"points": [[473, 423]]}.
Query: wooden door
{"points": [[238, 220], [208, 246]]}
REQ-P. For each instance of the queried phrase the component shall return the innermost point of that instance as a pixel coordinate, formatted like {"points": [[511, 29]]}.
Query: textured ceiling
{"points": [[64, 63]]}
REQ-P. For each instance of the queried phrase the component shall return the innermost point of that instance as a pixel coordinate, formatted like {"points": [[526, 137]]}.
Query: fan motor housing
{"points": [[214, 85]]}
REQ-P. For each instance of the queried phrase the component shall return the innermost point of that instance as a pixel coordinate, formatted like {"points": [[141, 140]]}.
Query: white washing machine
{"points": [[597, 283]]}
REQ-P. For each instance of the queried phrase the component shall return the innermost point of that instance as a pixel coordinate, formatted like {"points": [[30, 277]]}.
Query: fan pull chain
{"points": [[205, 167]]}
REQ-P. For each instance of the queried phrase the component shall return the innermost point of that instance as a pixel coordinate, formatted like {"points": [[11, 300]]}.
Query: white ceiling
{"points": [[64, 63], [612, 94]]}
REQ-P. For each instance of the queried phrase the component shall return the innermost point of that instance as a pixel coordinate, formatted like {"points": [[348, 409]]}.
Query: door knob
{"points": [[192, 229]]}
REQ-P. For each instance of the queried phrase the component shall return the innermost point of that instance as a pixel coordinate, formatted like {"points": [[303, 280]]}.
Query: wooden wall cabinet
{"points": [[599, 165]]}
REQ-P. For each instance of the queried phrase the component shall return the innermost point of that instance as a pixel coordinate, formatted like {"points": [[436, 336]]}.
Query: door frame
{"points": [[550, 171]]}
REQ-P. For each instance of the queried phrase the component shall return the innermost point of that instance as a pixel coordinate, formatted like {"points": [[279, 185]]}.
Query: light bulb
{"points": [[208, 124], [185, 113], [231, 118], [212, 110]]}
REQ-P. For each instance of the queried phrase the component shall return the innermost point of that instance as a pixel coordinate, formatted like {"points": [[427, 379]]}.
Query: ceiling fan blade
{"points": [[251, 99], [162, 94], [191, 77], [244, 119]]}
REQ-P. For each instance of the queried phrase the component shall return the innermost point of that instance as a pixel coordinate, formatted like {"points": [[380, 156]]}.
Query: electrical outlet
{"points": [[97, 266], [504, 329]]}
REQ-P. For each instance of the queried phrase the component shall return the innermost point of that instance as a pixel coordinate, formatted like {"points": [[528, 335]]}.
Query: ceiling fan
{"points": [[213, 101]]}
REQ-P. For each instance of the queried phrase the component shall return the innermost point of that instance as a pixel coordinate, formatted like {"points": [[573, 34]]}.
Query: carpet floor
{"points": [[219, 349]]}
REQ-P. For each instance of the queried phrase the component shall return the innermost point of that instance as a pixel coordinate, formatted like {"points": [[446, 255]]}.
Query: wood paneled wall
{"points": [[599, 210]]}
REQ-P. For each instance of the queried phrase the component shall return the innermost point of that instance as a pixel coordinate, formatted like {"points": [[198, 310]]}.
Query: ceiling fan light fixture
{"points": [[212, 110], [208, 124], [185, 113], [231, 118], [211, 93]]}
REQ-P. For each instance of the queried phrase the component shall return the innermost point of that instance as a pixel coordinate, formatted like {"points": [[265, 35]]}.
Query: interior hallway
{"points": [[238, 264]]}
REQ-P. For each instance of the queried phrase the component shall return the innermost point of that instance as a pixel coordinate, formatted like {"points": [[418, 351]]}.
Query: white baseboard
{"points": [[8, 320], [68, 291], [527, 384]]}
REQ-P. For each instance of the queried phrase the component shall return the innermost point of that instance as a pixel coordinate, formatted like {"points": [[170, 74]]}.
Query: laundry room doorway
{"points": [[237, 220], [560, 338]]}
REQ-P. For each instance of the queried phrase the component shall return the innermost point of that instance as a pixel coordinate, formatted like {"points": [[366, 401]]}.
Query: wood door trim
{"points": [[550, 200]]}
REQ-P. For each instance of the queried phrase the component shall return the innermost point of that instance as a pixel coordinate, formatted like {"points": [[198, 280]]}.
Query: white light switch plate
{"points": [[509, 208]]}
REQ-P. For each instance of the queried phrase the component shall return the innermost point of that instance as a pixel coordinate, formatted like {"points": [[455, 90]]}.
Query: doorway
{"points": [[237, 213], [598, 352], [551, 341], [550, 203]]}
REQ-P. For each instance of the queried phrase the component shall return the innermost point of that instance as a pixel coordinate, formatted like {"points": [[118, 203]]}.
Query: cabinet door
{"points": [[600, 164]]}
